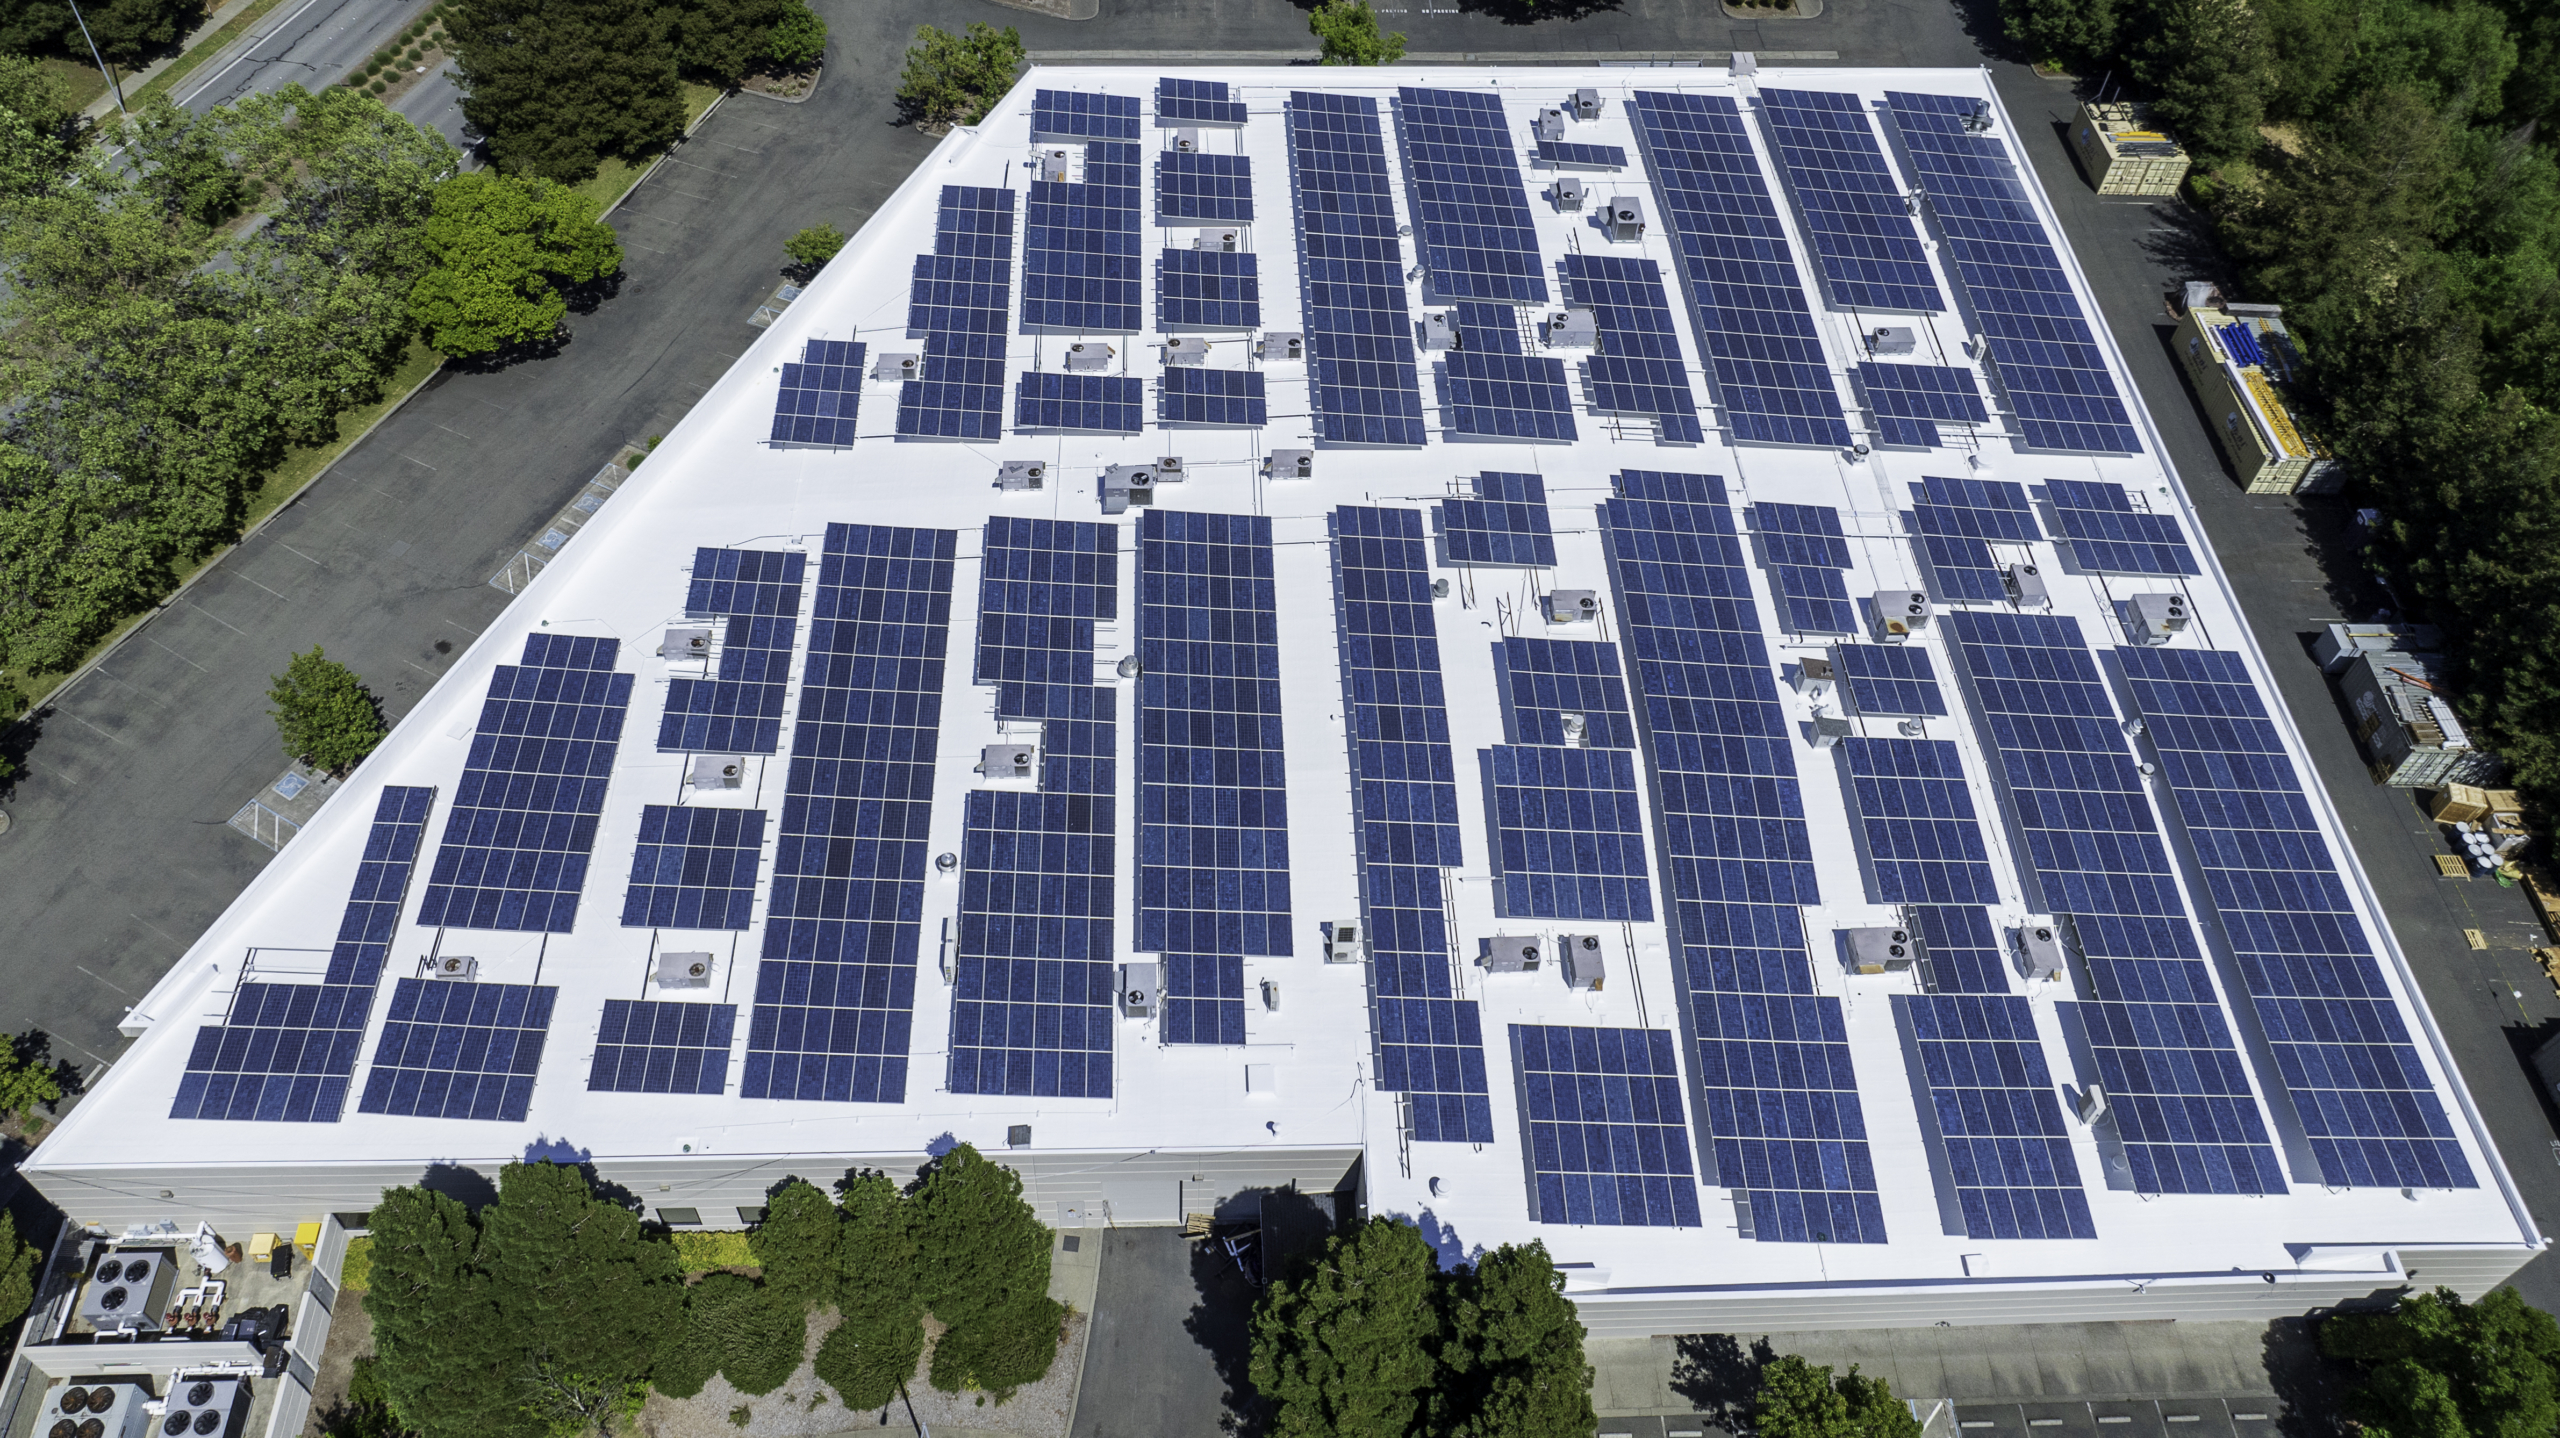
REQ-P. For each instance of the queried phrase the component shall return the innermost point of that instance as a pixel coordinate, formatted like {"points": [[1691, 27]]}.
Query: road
{"points": [[310, 43]]}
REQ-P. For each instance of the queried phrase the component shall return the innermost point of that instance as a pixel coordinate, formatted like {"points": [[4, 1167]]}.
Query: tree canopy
{"points": [[813, 247], [18, 1261], [324, 714], [1797, 1399], [558, 85], [2437, 1367], [502, 253], [1347, 31], [127, 31], [956, 79]]}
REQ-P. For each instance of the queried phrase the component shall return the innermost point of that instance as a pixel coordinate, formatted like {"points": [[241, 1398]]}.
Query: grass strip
{"points": [[205, 49], [615, 176]]}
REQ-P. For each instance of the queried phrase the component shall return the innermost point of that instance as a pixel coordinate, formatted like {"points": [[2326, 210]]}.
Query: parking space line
{"points": [[181, 658]]}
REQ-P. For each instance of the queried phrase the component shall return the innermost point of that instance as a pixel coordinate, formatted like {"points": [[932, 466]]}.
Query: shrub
{"points": [[378, 86], [1348, 31], [355, 1271], [799, 38], [796, 1244], [17, 1271], [867, 1356], [765, 1336], [814, 246], [323, 713], [957, 79], [702, 1252], [1002, 1350]]}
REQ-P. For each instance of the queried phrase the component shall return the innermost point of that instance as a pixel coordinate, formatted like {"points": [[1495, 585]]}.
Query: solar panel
{"points": [[1567, 834], [1208, 290], [284, 1052], [958, 295], [835, 987], [1920, 841], [1908, 399], [1567, 155], [1992, 509], [1106, 403], [1506, 523], [1639, 369], [1188, 395], [2156, 1033], [1081, 271], [694, 868], [2108, 536], [1993, 1114], [1959, 570], [2044, 357], [1197, 102], [738, 708], [1889, 681], [1488, 328], [1853, 208], [1504, 396], [1779, 1099], [646, 1046], [1543, 680], [974, 222], [515, 846], [1764, 356], [1805, 551], [819, 394], [454, 1049], [1078, 115], [1470, 210], [1194, 187], [1213, 804], [1608, 1139], [1360, 370], [1429, 1042], [1033, 986], [959, 301], [962, 393], [2342, 1049]]}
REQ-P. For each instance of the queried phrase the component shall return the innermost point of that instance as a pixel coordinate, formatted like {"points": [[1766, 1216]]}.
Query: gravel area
{"points": [[350, 1338], [807, 1408]]}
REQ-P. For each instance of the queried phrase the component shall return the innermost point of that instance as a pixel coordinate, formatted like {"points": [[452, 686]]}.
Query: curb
{"points": [[689, 132], [800, 99]]}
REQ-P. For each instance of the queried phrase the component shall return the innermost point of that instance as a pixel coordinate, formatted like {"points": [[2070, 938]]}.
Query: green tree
{"points": [[879, 1292], [36, 127], [28, 1077], [324, 714], [798, 1244], [742, 1329], [983, 1268], [956, 79], [18, 1260], [186, 160], [1511, 1363], [557, 85], [1347, 1346], [799, 38], [1797, 1399], [504, 249], [2437, 1367], [1348, 32], [581, 1296], [2207, 61], [128, 31], [439, 1354], [811, 248], [1873, 1410], [721, 40], [2073, 32], [366, 1410]]}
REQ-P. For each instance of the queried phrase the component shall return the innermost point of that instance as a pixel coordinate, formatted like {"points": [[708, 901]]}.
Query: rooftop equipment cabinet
{"points": [[1586, 965], [1569, 192], [1586, 104], [2404, 718], [1898, 613], [1573, 328], [1186, 349], [1090, 355], [1343, 944], [685, 644], [1220, 239], [718, 771], [1289, 464], [1511, 954], [684, 971], [1573, 606], [1893, 340], [1053, 166], [1550, 124], [2039, 946], [2243, 363], [1284, 345], [1884, 950], [898, 367], [1436, 333], [2154, 618], [1139, 986], [2025, 583], [1813, 680], [2338, 645], [2123, 155], [1626, 220], [1016, 475]]}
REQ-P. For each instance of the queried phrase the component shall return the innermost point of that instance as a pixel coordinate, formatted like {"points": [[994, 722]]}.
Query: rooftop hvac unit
{"points": [[1139, 986], [1626, 220], [1586, 104], [2026, 588], [1186, 349], [1830, 729], [1220, 239], [459, 967], [1577, 729], [1169, 469], [1743, 63], [1898, 613], [1569, 192], [1021, 474], [107, 1410], [1886, 950], [1573, 606], [1187, 141], [128, 1289], [2093, 1103], [1053, 166], [894, 367], [1090, 355], [1127, 484], [1284, 345], [1008, 761], [1343, 943], [1813, 680], [1289, 464], [686, 644], [1271, 995], [1893, 340], [2339, 644], [1550, 124], [718, 771], [684, 971], [2154, 618], [1437, 333], [211, 1406], [1510, 954], [2039, 950], [1573, 329], [1586, 967]]}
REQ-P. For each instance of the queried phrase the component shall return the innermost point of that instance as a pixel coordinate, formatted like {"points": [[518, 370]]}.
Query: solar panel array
{"points": [[2157, 1034], [648, 1046], [1956, 521], [1504, 396], [1779, 1098], [285, 1052], [1567, 834], [1213, 801], [1608, 1139], [1543, 680], [2044, 356], [1190, 394], [1360, 369], [959, 303], [1889, 681], [819, 394], [694, 868], [516, 842], [1919, 840], [1081, 271], [1429, 1042], [1197, 102], [835, 989], [1506, 522], [454, 1049], [1487, 328], [2108, 536], [2344, 1053], [1031, 1001], [1470, 210], [1638, 368], [1764, 356], [738, 710], [1102, 403], [1908, 401], [1806, 553], [1852, 207], [1569, 155], [1208, 290], [1079, 115], [1194, 187]]}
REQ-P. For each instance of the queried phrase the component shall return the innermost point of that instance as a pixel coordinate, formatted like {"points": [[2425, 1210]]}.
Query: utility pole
{"points": [[921, 1430], [113, 88]]}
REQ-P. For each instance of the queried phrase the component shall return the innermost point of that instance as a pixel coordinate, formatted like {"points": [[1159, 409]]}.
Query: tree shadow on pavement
{"points": [[2310, 1386], [1717, 1375], [1292, 1229]]}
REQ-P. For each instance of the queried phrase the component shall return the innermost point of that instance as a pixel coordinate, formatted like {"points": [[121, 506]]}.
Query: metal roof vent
{"points": [[1586, 966], [1550, 124], [461, 967], [718, 771], [684, 971]]}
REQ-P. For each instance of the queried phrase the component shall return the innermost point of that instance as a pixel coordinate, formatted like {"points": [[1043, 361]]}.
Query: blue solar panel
{"points": [[1107, 403], [1213, 804], [1639, 369], [284, 1052], [1542, 680], [1908, 399], [1188, 395], [1920, 840], [1890, 681], [739, 708], [958, 302], [1208, 290], [1197, 102], [1567, 155], [2045, 358], [515, 846], [1193, 187], [1764, 356], [2157, 1034], [974, 222], [1505, 396], [836, 986], [1779, 1098], [962, 393], [819, 394], [1992, 509], [1077, 115], [1031, 1000], [1853, 208], [1805, 551], [1567, 834], [646, 1046], [1360, 370], [1960, 570], [2341, 1045], [1608, 1139], [2108, 536], [1488, 328], [1506, 523], [1470, 210], [452, 1049], [1081, 271], [1811, 600], [1993, 1115], [1429, 1042], [694, 868], [958, 295]]}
